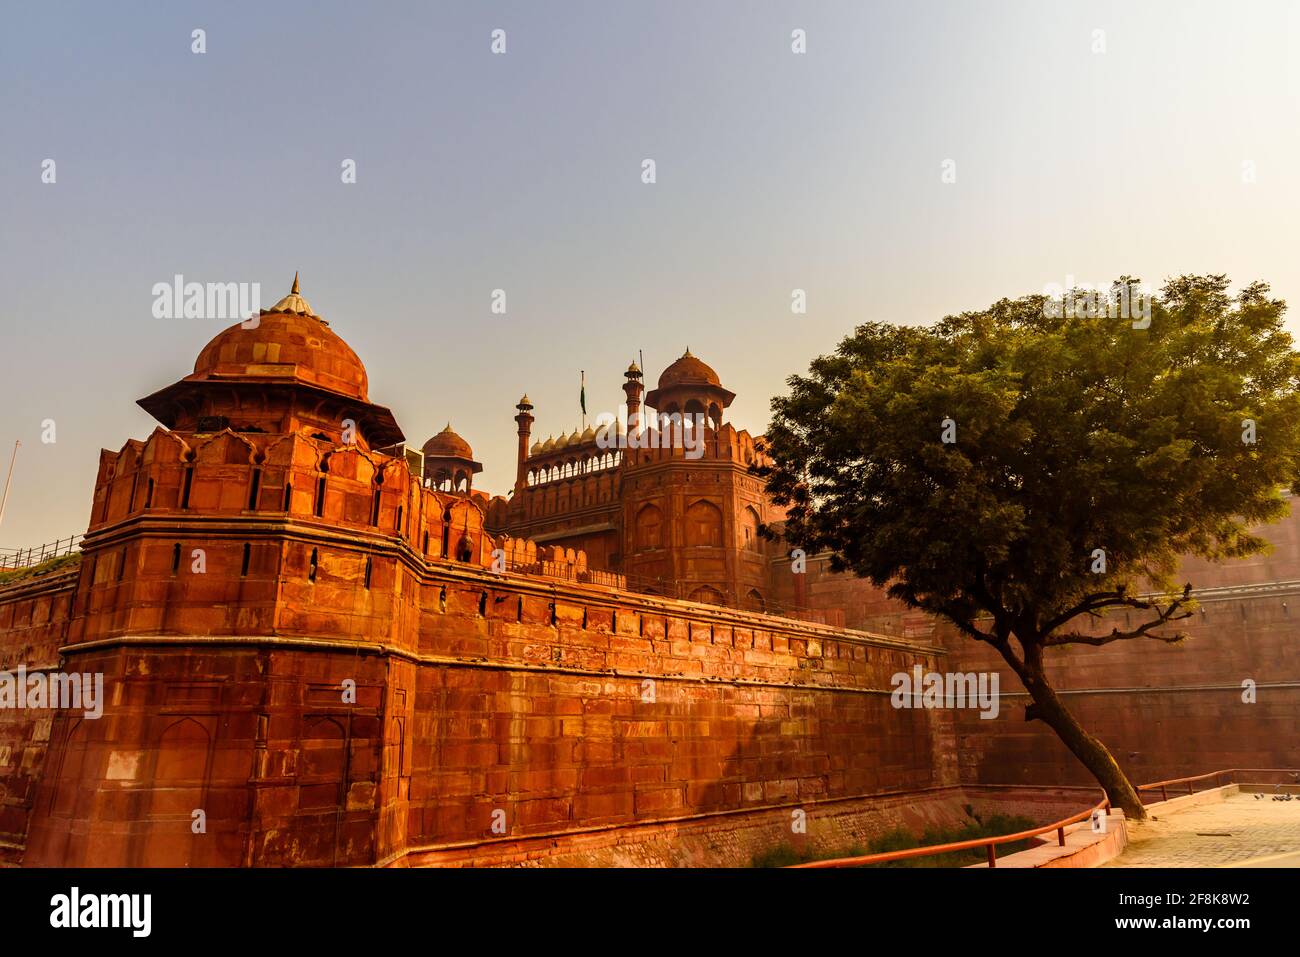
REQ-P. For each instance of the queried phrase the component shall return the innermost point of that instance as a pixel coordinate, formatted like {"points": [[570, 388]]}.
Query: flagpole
{"points": [[582, 394], [5, 500]]}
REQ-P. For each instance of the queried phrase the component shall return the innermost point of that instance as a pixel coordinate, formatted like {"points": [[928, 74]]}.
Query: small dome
{"points": [[589, 435], [575, 438], [688, 370], [537, 448], [549, 444], [524, 402], [447, 444], [289, 341], [562, 441], [633, 369]]}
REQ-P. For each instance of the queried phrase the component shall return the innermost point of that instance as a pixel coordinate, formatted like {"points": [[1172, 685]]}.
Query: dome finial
{"points": [[687, 353], [295, 304]]}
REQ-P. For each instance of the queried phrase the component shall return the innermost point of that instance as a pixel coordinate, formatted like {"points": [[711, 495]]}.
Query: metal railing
{"points": [[14, 558], [991, 843], [1190, 782]]}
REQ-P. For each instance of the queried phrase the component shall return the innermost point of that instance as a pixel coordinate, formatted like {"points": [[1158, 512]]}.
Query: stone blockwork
{"points": [[1164, 711], [673, 509], [736, 840], [564, 708], [315, 655], [33, 626], [312, 656], [630, 714]]}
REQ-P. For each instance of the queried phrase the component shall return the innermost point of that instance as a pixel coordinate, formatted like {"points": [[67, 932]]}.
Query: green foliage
{"points": [[1074, 433], [784, 855], [901, 839], [996, 826], [43, 568]]}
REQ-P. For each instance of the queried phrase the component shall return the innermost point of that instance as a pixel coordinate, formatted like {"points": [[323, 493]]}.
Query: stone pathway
{"points": [[1238, 832]]}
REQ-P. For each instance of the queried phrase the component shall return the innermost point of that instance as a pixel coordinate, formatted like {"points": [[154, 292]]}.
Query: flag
{"points": [[582, 393]]}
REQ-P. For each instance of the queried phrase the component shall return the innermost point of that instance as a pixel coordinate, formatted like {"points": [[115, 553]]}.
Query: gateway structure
{"points": [[320, 649]]}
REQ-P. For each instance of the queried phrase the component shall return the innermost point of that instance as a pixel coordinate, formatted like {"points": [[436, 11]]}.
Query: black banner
{"points": [[550, 907]]}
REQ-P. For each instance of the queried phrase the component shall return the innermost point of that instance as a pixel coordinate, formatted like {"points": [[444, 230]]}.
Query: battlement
{"points": [[554, 695], [587, 458], [295, 477], [722, 444], [347, 661]]}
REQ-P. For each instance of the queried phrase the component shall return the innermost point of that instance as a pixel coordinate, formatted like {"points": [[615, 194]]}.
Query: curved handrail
{"points": [[987, 842], [1189, 779], [991, 843]]}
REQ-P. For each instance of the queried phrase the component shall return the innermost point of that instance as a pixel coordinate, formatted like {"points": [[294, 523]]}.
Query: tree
{"points": [[1022, 470]]}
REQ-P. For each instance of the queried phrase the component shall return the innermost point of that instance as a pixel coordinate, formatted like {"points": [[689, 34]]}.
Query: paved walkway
{"points": [[1238, 832]]}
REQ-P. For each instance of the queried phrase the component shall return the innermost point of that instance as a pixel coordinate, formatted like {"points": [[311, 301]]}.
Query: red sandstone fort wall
{"points": [[33, 625], [511, 694], [305, 645], [515, 694], [1164, 711], [747, 713]]}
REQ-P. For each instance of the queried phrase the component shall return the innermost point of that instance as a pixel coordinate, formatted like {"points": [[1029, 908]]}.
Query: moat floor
{"points": [[1239, 832]]}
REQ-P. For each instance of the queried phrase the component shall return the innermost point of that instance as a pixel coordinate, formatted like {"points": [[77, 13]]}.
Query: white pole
{"points": [[5, 499]]}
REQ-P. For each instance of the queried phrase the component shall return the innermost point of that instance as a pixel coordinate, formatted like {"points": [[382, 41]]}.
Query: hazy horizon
{"points": [[1170, 152]]}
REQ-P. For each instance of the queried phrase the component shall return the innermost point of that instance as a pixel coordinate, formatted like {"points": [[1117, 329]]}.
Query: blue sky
{"points": [[521, 171]]}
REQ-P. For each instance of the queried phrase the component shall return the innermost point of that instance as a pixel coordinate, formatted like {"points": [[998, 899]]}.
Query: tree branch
{"points": [[966, 628], [1163, 617], [960, 617], [984, 595], [1093, 603]]}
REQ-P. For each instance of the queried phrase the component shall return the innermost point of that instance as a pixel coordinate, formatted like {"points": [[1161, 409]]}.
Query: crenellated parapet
{"points": [[526, 557], [351, 657], [231, 533], [674, 443]]}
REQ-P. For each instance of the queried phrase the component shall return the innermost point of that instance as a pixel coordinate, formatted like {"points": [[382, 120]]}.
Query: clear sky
{"points": [[522, 171]]}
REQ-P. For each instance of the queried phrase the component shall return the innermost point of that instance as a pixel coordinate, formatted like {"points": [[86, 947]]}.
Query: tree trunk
{"points": [[1049, 709]]}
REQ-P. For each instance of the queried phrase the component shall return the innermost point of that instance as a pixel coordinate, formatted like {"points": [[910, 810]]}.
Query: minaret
{"points": [[525, 420], [632, 389]]}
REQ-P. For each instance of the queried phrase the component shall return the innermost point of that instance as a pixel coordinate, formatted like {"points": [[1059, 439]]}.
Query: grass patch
{"points": [[902, 839], [784, 855], [36, 571]]}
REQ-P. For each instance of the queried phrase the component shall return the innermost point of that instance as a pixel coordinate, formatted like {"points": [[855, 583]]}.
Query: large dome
{"points": [[688, 370], [289, 350], [448, 445], [289, 341], [687, 381]]}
